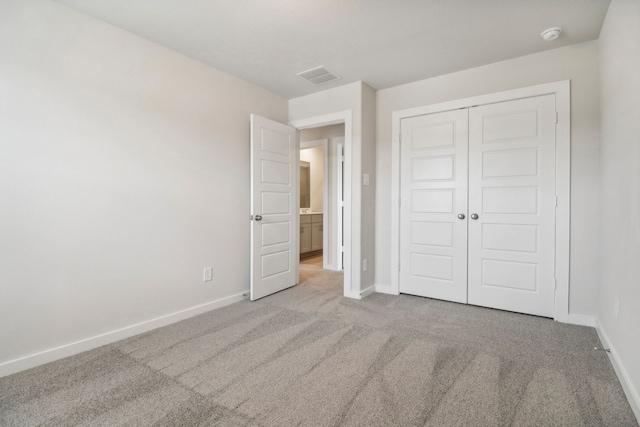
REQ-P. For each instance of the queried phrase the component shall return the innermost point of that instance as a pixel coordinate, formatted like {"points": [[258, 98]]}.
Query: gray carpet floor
{"points": [[309, 357]]}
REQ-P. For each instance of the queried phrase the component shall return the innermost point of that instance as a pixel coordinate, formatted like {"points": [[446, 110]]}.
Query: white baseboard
{"points": [[352, 294], [366, 292], [66, 350], [629, 390], [386, 289], [581, 319]]}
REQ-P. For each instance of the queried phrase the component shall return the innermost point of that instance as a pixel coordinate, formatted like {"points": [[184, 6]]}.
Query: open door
{"points": [[274, 207]]}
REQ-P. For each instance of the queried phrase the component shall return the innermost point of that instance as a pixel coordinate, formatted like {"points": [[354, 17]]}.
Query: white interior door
{"points": [[274, 207], [433, 239], [477, 214], [512, 192]]}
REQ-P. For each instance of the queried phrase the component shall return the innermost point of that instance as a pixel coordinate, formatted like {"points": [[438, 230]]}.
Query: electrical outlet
{"points": [[208, 274], [616, 307], [365, 265]]}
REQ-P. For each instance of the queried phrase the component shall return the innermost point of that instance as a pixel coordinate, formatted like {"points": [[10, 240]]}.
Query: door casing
{"points": [[561, 90]]}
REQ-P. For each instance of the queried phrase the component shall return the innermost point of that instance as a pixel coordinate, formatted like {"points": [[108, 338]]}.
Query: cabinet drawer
{"points": [[316, 218]]}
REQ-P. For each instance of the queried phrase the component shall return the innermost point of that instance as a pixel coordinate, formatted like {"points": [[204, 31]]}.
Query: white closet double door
{"points": [[477, 215]]}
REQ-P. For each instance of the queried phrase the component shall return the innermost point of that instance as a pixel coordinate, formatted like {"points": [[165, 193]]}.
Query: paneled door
{"points": [[477, 214], [433, 226], [512, 205], [274, 201]]}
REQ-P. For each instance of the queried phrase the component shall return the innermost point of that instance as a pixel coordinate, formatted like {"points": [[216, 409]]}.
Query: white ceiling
{"points": [[381, 42]]}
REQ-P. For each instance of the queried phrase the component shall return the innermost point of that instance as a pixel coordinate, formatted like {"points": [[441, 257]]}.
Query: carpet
{"points": [[309, 357]]}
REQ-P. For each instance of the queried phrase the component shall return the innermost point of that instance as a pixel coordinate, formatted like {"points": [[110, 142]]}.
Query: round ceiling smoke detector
{"points": [[551, 34]]}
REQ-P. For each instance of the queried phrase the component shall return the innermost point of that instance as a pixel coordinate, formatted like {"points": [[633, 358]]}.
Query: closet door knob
{"points": [[474, 216], [461, 216]]}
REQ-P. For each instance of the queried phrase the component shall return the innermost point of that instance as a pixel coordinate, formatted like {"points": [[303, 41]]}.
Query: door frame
{"points": [[337, 172], [350, 193], [562, 92]]}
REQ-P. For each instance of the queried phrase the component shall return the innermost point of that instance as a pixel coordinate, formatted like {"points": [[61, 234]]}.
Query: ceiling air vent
{"points": [[318, 76]]}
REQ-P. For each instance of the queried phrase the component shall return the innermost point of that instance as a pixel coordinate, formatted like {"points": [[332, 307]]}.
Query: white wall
{"points": [[620, 193], [315, 157], [578, 63], [123, 172], [322, 132]]}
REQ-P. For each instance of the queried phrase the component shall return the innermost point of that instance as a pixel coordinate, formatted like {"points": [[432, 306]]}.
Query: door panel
{"points": [[508, 125], [505, 163], [433, 252], [508, 200], [274, 193], [510, 237], [512, 189]]}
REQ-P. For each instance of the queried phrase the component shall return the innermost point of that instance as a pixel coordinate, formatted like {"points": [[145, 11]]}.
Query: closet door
{"points": [[512, 192], [433, 240]]}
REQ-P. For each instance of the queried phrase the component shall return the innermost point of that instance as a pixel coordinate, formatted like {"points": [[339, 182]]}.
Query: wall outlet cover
{"points": [[208, 274]]}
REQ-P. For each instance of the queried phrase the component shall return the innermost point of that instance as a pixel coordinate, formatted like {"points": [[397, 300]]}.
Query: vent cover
{"points": [[318, 76]]}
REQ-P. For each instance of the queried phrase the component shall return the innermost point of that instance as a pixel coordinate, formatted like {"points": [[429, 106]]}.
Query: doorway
{"points": [[321, 195], [275, 203], [351, 275]]}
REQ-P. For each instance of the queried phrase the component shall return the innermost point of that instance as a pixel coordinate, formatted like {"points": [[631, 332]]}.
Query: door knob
{"points": [[258, 217], [474, 216], [461, 216]]}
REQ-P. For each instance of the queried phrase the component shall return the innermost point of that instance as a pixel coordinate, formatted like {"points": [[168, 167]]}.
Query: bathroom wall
{"points": [[315, 157], [316, 134]]}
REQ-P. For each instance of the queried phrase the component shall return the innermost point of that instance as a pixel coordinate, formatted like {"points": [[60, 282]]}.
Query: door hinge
{"points": [[556, 201], [341, 204]]}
